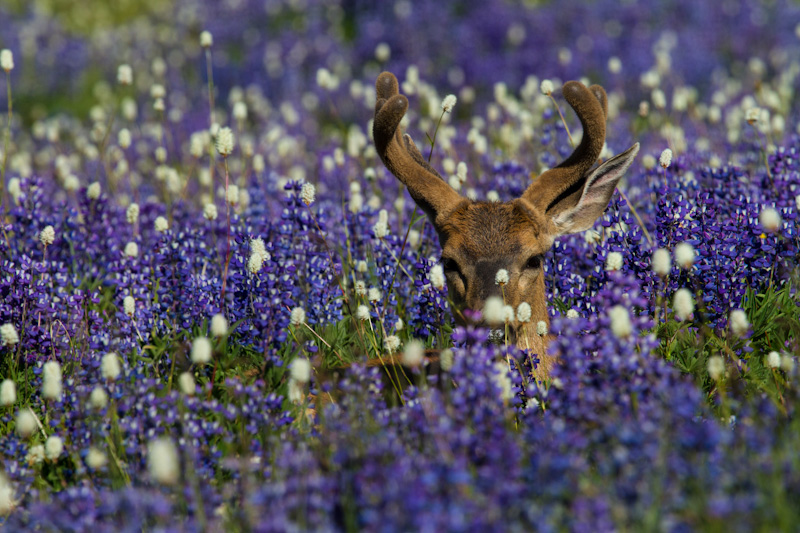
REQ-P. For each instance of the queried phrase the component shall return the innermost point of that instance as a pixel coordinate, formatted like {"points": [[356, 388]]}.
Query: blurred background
{"points": [[66, 50]]}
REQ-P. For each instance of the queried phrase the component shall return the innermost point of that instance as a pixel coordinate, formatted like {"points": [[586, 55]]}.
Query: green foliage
{"points": [[774, 316]]}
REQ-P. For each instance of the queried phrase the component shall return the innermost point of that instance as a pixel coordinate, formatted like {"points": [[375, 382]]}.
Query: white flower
{"points": [[437, 276], [206, 39], [683, 304], [461, 171], [110, 367], [503, 381], [132, 213], [773, 360], [7, 501], [591, 236], [661, 262], [621, 325], [8, 392], [493, 312], [240, 111], [666, 158], [752, 115], [298, 316], [684, 255], [383, 52], [98, 398], [95, 459], [15, 189], [71, 183], [716, 367], [161, 225], [129, 305], [51, 380], [361, 288], [186, 383], [374, 294], [787, 363], [501, 278], [739, 323], [541, 328], [27, 423], [53, 447], [546, 87], [300, 370], [201, 351], [210, 212], [162, 461], [8, 334], [124, 74], [296, 392], [770, 219], [6, 63], [508, 313], [35, 454], [391, 343], [413, 354], [131, 249], [307, 193], [524, 312], [157, 91], [93, 191], [399, 324], [255, 262], [327, 80], [614, 261], [492, 196], [572, 313], [232, 194], [449, 103], [446, 359], [381, 227], [219, 326], [362, 312], [124, 138], [225, 141], [47, 235], [659, 100]]}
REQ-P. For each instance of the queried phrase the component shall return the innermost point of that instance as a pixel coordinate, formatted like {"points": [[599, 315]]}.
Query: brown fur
{"points": [[479, 238]]}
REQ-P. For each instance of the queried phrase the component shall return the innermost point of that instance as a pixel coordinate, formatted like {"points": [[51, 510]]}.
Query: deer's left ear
{"points": [[596, 194]]}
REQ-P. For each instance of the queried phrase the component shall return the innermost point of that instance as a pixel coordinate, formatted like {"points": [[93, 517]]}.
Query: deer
{"points": [[478, 238]]}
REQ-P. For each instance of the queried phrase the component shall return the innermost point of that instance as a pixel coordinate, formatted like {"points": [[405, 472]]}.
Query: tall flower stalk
{"points": [[7, 64]]}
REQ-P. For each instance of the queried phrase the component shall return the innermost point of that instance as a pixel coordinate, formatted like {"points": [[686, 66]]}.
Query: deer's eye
{"points": [[449, 265], [534, 263]]}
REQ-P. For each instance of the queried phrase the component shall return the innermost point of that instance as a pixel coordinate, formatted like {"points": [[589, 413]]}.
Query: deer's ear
{"points": [[596, 194]]}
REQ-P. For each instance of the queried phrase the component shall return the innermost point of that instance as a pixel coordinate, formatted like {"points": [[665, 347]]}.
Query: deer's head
{"points": [[480, 238]]}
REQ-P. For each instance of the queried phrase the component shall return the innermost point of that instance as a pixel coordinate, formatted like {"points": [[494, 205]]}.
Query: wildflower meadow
{"points": [[219, 311]]}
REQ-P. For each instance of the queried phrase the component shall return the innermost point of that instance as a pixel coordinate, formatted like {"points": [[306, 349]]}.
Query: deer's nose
{"points": [[486, 276]]}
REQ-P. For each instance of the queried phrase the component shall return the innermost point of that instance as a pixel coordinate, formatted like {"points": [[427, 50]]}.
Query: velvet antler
{"points": [[401, 156], [570, 194]]}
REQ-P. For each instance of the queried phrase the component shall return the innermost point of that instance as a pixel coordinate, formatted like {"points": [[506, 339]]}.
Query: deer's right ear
{"points": [[596, 194]]}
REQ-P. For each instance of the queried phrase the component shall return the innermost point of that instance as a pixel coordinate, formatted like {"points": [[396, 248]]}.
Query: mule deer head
{"points": [[479, 238]]}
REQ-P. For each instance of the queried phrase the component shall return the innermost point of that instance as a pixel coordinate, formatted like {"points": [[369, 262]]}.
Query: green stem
{"points": [[5, 146]]}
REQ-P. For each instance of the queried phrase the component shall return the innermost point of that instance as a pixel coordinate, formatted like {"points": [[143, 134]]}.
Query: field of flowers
{"points": [[200, 251]]}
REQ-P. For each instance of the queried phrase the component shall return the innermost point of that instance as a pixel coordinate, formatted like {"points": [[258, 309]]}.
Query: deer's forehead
{"points": [[483, 229]]}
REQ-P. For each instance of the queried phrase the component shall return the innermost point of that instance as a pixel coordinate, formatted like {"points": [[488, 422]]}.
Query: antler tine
{"points": [[401, 156], [569, 177]]}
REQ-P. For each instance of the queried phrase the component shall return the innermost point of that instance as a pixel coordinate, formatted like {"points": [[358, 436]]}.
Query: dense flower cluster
{"points": [[207, 273]]}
